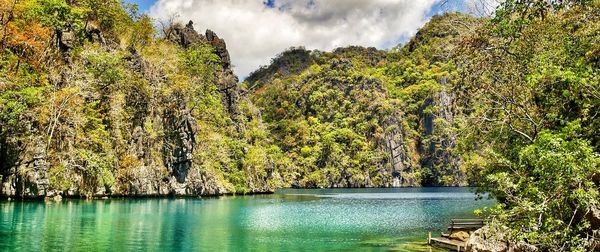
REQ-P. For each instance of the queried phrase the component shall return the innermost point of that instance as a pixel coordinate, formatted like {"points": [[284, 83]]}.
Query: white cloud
{"points": [[255, 33]]}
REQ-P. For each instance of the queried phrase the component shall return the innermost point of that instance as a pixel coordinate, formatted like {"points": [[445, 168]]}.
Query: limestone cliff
{"points": [[161, 135]]}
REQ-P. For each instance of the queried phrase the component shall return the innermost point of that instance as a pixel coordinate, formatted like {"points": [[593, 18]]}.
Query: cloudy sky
{"points": [[257, 30]]}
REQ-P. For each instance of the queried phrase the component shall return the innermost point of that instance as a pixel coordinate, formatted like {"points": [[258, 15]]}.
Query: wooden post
{"points": [[429, 239]]}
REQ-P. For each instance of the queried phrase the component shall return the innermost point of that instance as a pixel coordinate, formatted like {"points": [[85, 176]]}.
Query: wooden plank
{"points": [[447, 243], [429, 238], [465, 226]]}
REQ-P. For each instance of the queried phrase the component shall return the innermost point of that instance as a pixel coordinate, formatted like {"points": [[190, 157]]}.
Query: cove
{"points": [[289, 220]]}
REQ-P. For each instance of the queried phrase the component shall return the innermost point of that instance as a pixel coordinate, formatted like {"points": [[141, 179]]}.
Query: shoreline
{"points": [[5, 198]]}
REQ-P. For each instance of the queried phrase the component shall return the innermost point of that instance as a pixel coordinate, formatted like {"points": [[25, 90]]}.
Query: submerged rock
{"points": [[55, 198]]}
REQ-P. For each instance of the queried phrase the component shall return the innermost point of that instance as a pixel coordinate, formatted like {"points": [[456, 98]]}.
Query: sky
{"points": [[257, 30]]}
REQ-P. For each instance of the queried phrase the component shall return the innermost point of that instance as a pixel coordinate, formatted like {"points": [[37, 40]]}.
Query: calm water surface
{"points": [[289, 220]]}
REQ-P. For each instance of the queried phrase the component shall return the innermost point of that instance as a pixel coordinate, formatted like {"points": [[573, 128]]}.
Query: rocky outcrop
{"points": [[487, 240], [67, 39], [228, 82], [180, 143], [593, 216], [399, 158], [185, 36], [178, 173], [27, 176], [492, 239], [94, 35], [292, 61], [220, 48]]}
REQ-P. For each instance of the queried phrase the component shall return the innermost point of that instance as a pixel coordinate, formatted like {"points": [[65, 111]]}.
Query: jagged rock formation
{"points": [[186, 36], [179, 143], [228, 83], [441, 139], [159, 146], [23, 166], [220, 47]]}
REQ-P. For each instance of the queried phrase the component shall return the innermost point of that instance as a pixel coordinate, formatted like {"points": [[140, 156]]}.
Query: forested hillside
{"points": [[92, 102], [508, 103], [95, 100], [365, 117]]}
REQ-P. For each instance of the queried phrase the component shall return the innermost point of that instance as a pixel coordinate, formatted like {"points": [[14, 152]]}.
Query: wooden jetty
{"points": [[456, 225]]}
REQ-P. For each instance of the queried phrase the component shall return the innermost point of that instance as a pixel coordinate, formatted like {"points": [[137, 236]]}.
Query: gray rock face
{"points": [[228, 83], [447, 140], [186, 36], [487, 239], [27, 177], [66, 40], [180, 142], [177, 173], [398, 154], [437, 151], [230, 92], [220, 47], [94, 35], [593, 216]]}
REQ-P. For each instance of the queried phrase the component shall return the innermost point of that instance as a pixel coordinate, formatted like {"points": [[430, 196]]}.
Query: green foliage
{"points": [[320, 120], [97, 171], [547, 194], [529, 137], [57, 14], [105, 67], [106, 116], [200, 60], [16, 106], [511, 101]]}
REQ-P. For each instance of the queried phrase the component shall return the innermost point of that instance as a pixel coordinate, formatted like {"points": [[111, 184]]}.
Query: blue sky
{"points": [[257, 30], [144, 5]]}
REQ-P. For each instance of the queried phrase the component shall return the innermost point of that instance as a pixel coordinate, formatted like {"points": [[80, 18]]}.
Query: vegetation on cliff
{"points": [[532, 80], [93, 102], [507, 103], [364, 117]]}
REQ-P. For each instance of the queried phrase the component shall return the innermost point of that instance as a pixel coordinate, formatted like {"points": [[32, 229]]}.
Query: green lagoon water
{"points": [[289, 220]]}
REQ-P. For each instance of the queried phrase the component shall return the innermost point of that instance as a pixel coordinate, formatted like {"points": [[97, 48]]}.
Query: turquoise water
{"points": [[289, 220]]}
